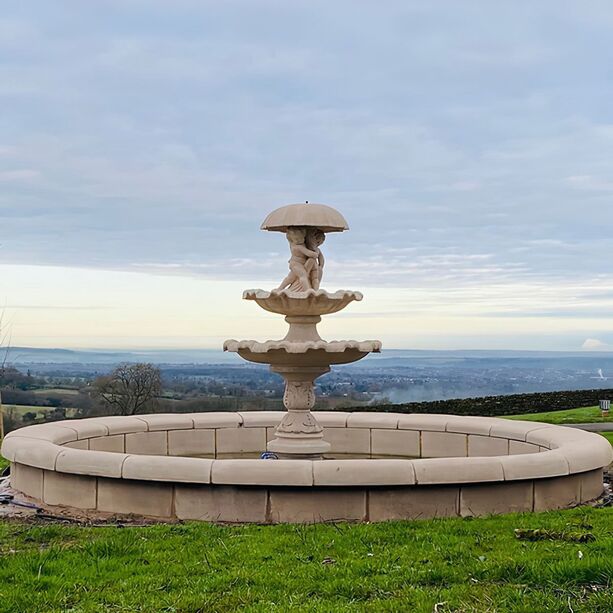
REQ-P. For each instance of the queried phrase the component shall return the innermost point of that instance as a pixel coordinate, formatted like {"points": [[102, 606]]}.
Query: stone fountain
{"points": [[302, 356], [377, 467]]}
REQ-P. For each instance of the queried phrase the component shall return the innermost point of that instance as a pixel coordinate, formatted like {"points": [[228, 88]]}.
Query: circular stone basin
{"points": [[461, 466]]}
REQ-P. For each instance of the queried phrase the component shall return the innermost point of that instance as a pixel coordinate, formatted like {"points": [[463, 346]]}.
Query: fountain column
{"points": [[299, 434]]}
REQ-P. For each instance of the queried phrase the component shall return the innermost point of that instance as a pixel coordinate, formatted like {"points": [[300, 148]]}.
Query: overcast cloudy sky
{"points": [[469, 144]]}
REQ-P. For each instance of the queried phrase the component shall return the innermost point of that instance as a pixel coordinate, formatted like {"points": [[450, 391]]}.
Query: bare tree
{"points": [[129, 389]]}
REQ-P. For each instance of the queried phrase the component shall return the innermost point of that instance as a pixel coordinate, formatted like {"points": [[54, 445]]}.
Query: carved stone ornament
{"points": [[299, 395], [299, 422]]}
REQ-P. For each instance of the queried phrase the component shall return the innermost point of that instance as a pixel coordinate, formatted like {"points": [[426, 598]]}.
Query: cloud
{"points": [[155, 137], [593, 344]]}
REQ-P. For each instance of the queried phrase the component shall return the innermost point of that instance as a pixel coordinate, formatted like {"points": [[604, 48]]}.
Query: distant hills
{"points": [[35, 355], [389, 357]]}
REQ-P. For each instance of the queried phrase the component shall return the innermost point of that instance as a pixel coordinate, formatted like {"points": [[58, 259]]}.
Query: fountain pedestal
{"points": [[302, 355], [299, 435]]}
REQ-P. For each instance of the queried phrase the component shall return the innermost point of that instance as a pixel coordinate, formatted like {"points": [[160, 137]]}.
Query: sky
{"points": [[468, 144]]}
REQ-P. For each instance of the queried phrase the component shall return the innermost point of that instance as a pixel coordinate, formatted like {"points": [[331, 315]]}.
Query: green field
{"points": [[19, 410], [473, 565], [59, 391], [569, 416]]}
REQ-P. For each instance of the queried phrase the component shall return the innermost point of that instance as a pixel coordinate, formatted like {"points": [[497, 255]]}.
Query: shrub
{"points": [[492, 406]]}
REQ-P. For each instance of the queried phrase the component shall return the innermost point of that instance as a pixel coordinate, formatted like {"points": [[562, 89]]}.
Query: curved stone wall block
{"points": [[199, 442], [557, 493], [429, 423], [38, 453], [332, 419], [294, 506], [395, 442], [470, 425], [357, 473], [514, 497], [443, 444], [69, 490], [226, 504], [482, 446], [167, 421], [413, 503], [518, 447], [263, 472], [437, 471], [93, 463], [592, 485], [261, 419], [147, 443], [217, 419], [515, 429], [27, 480], [135, 497], [535, 466], [241, 440], [117, 424], [115, 443], [370, 420], [172, 469], [348, 440], [85, 428]]}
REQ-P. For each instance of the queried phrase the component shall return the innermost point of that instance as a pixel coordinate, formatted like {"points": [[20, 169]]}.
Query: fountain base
{"points": [[299, 435]]}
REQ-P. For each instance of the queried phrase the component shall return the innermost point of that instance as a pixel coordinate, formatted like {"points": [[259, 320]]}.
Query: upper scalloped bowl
{"points": [[309, 303]]}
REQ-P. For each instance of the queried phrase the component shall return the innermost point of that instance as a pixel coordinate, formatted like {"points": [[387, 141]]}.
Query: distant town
{"points": [[42, 384]]}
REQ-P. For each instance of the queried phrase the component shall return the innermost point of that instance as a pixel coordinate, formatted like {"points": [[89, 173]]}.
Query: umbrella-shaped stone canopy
{"points": [[318, 216]]}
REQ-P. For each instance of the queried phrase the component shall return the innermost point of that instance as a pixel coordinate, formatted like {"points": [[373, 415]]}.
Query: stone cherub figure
{"points": [[315, 266], [306, 262]]}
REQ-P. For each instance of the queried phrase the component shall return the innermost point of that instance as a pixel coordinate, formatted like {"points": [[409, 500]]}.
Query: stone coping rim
{"points": [[571, 452]]}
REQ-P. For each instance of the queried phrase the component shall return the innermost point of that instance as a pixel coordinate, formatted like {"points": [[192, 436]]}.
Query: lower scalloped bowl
{"points": [[308, 353]]}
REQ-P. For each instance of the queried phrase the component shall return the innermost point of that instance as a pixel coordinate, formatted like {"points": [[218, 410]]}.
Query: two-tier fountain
{"points": [[302, 355]]}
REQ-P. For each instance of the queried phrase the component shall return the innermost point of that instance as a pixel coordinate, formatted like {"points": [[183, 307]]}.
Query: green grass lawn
{"points": [[473, 565], [570, 416]]}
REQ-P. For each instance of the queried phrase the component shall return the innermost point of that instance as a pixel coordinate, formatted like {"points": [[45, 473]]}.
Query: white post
{"points": [[605, 405]]}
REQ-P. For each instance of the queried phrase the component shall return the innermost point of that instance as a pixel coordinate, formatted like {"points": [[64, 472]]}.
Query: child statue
{"points": [[315, 266], [306, 261]]}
